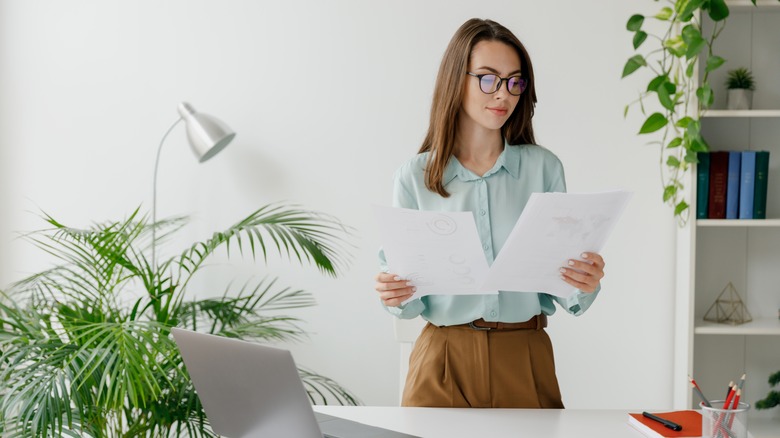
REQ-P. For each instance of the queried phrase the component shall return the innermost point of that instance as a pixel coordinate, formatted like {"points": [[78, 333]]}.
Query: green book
{"points": [[759, 192], [702, 184]]}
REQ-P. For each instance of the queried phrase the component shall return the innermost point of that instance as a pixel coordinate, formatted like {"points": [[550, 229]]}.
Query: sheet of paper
{"points": [[439, 252], [553, 228]]}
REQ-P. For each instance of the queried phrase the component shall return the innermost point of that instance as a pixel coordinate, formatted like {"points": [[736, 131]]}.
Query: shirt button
{"points": [[493, 313], [480, 181], [485, 246], [482, 212]]}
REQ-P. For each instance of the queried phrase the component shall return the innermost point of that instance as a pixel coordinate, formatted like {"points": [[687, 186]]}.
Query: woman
{"points": [[479, 155]]}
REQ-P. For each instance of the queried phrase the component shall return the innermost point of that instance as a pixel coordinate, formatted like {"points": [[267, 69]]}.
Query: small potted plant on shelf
{"points": [[740, 84]]}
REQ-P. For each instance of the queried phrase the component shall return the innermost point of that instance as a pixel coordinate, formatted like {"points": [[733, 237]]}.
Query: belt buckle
{"points": [[471, 324]]}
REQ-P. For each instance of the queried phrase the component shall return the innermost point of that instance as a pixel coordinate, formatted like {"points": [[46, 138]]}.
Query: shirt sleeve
{"points": [[402, 197], [578, 302]]}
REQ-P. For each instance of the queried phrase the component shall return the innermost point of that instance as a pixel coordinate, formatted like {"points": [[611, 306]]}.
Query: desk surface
{"points": [[494, 423]]}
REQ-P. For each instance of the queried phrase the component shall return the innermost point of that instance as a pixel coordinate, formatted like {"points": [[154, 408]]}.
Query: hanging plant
{"points": [[683, 98]]}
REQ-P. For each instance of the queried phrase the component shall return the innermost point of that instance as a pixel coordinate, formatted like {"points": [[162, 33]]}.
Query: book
{"points": [[759, 191], [732, 186], [702, 184], [719, 170], [689, 420], [747, 181]]}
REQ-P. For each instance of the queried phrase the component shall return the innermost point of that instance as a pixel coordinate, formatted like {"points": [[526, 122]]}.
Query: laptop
{"points": [[250, 390]]}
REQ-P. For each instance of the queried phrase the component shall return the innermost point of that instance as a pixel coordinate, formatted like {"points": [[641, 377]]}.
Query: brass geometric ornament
{"points": [[728, 308]]}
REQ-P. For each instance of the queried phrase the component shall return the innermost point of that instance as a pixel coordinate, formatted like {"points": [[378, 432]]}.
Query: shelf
{"points": [[738, 222], [742, 113], [742, 5], [759, 326]]}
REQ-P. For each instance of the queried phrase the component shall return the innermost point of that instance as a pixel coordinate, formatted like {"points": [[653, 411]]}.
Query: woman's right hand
{"points": [[392, 289]]}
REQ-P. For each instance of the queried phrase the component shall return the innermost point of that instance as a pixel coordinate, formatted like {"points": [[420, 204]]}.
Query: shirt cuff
{"points": [[578, 302], [410, 310]]}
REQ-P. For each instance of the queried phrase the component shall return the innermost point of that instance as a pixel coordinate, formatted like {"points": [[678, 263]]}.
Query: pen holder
{"points": [[724, 423]]}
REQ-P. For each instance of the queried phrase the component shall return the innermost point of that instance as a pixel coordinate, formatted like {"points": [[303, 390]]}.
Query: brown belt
{"points": [[538, 322]]}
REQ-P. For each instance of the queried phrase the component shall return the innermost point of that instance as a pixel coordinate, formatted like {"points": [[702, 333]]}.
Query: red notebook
{"points": [[689, 420]]}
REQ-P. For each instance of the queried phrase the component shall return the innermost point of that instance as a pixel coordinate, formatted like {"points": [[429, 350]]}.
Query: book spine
{"points": [[732, 189], [719, 170], [747, 180], [702, 184], [760, 189]]}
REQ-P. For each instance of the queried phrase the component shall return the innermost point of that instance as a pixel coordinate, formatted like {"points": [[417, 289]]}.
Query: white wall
{"points": [[328, 98]]}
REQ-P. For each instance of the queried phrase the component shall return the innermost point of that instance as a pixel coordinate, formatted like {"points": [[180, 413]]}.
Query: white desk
{"points": [[493, 423]]}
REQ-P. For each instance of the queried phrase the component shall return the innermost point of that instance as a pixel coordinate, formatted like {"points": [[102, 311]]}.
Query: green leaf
{"points": [[692, 37], [663, 97], [683, 122], [689, 69], [676, 46], [639, 38], [676, 142], [680, 207], [656, 82], [633, 64], [635, 22], [697, 146], [669, 192], [705, 96], [672, 161], [686, 8], [718, 10], [713, 62], [653, 123], [665, 14]]}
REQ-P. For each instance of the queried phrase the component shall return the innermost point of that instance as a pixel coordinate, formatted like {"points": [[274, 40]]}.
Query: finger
{"points": [[395, 298], [395, 302], [586, 267], [593, 257], [585, 287], [394, 285], [386, 277], [579, 276]]}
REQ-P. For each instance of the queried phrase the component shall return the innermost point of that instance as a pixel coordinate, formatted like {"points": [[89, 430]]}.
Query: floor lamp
{"points": [[207, 136]]}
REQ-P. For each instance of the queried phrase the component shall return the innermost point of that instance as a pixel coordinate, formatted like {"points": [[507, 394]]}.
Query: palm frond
{"points": [[322, 389], [307, 236]]}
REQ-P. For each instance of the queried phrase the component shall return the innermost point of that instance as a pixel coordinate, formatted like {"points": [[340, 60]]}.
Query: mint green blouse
{"points": [[496, 199]]}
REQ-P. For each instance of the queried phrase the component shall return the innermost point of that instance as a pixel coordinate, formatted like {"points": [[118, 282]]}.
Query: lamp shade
{"points": [[207, 135]]}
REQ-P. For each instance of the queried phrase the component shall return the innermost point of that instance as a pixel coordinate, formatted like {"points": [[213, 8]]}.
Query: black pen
{"points": [[671, 425]]}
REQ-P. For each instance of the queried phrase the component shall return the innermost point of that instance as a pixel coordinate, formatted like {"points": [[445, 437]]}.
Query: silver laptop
{"points": [[250, 391]]}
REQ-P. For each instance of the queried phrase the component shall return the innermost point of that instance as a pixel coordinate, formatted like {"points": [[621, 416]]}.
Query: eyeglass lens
{"points": [[489, 84]]}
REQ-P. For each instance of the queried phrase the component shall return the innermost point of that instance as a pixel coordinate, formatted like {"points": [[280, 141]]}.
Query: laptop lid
{"points": [[247, 389]]}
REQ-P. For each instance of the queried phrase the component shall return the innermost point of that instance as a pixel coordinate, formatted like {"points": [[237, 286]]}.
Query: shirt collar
{"points": [[509, 160]]}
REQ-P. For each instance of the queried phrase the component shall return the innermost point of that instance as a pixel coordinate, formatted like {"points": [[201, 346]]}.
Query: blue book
{"points": [[702, 185], [747, 182], [732, 185]]}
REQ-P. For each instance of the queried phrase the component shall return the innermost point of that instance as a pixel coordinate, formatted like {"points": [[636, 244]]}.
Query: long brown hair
{"points": [[448, 97]]}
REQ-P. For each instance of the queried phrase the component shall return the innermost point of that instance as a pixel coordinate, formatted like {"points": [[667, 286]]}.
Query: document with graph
{"points": [[440, 252], [554, 228]]}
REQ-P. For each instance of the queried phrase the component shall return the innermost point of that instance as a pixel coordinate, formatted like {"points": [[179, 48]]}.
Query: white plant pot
{"points": [[740, 99]]}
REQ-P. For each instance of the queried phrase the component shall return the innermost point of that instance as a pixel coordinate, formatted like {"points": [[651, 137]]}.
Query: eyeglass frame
{"points": [[500, 82]]}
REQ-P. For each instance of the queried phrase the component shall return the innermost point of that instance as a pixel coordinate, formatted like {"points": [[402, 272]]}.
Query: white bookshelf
{"points": [[754, 113], [759, 326], [714, 252], [740, 223]]}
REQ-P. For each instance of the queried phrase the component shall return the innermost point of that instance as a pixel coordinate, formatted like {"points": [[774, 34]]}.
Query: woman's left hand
{"points": [[584, 274]]}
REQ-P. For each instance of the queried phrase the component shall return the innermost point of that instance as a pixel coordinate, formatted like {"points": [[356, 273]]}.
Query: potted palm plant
{"points": [[85, 346], [740, 84]]}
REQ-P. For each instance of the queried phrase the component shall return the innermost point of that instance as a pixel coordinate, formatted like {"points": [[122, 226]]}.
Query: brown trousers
{"points": [[458, 366]]}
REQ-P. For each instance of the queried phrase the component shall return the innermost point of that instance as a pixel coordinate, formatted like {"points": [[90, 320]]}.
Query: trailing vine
{"points": [[683, 97]]}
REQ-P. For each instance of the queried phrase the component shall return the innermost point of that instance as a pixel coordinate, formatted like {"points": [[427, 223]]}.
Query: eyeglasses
{"points": [[490, 83]]}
